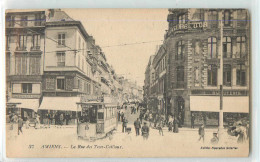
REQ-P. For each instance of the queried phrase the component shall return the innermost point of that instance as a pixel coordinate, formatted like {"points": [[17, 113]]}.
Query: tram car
{"points": [[97, 120]]}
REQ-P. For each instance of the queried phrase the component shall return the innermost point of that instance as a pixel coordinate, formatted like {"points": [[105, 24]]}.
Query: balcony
{"points": [[35, 48]]}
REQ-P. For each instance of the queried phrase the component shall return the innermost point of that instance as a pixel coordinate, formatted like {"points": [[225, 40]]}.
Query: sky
{"points": [[112, 27]]}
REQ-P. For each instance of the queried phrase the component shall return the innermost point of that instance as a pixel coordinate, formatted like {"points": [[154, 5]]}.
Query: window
{"points": [[180, 74], [61, 39], [27, 87], [180, 50], [36, 40], [241, 75], [212, 75], [226, 18], [35, 65], [7, 65], [24, 20], [241, 47], [227, 75], [60, 58], [181, 19], [227, 47], [61, 83], [20, 64], [22, 41], [212, 47], [213, 19], [7, 42], [37, 21], [241, 18]]}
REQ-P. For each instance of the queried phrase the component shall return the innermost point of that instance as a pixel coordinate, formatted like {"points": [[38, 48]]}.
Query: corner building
{"points": [[193, 48]]}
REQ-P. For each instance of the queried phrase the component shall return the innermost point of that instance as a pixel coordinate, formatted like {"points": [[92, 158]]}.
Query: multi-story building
{"points": [[24, 61], [191, 76]]}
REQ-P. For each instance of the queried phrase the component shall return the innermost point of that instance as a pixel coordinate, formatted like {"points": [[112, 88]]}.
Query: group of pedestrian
{"points": [[60, 118], [144, 129], [173, 124]]}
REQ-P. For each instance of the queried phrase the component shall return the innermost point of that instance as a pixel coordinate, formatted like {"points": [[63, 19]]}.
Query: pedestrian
{"points": [[192, 120], [118, 116], [175, 125], [61, 119], [160, 126], [124, 124], [56, 118], [215, 139], [37, 122], [67, 119], [145, 131], [137, 125], [122, 116], [27, 123], [141, 117], [150, 119], [20, 125], [170, 123], [241, 130], [201, 132]]}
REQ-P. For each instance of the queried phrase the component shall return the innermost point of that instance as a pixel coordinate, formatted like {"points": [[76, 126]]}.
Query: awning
{"points": [[60, 103], [32, 104], [239, 104]]}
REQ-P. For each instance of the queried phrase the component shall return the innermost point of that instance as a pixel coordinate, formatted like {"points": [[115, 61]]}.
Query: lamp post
{"points": [[221, 123]]}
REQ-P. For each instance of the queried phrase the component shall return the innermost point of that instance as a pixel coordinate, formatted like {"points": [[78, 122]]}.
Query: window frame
{"points": [[212, 68], [62, 86], [240, 81], [212, 43], [28, 88], [61, 39], [180, 47], [61, 58], [227, 19], [240, 43], [226, 43], [227, 68]]}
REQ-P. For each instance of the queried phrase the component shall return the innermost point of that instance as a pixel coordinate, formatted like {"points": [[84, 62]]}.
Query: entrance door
{"points": [[180, 110]]}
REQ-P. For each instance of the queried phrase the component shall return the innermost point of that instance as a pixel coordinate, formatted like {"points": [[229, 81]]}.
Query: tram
{"points": [[97, 120]]}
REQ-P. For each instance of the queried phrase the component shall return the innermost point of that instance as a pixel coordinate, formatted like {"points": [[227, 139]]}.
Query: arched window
{"points": [[180, 77], [227, 75], [212, 47], [180, 50]]}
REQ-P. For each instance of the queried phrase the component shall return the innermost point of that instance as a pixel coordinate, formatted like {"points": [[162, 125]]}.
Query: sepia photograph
{"points": [[114, 83]]}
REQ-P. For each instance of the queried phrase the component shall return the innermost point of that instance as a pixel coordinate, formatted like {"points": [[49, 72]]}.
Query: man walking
{"points": [[124, 124], [201, 132], [192, 120], [20, 124], [145, 131], [137, 125]]}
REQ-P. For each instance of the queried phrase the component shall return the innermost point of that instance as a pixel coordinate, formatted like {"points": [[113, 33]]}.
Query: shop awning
{"points": [[60, 103], [32, 104], [239, 104]]}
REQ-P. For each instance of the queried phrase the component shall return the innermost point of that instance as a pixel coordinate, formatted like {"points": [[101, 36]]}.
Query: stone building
{"points": [[24, 61], [191, 72]]}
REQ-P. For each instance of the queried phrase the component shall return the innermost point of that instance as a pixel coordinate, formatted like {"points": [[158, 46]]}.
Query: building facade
{"points": [[24, 61], [192, 47]]}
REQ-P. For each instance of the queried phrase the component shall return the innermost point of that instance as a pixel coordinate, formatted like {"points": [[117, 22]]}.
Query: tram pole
{"points": [[221, 123]]}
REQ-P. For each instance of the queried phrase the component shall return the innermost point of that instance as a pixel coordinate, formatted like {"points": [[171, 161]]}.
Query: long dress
{"points": [[175, 125]]}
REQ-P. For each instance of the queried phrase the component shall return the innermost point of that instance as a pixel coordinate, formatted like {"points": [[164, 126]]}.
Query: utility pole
{"points": [[221, 127]]}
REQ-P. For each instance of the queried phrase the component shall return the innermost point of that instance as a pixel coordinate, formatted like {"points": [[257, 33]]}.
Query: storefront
{"points": [[206, 109], [53, 108]]}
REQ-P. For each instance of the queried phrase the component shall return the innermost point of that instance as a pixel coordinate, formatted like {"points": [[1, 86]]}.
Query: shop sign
{"points": [[192, 25]]}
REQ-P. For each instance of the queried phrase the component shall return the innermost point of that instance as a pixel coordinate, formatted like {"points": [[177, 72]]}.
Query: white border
{"points": [[252, 5]]}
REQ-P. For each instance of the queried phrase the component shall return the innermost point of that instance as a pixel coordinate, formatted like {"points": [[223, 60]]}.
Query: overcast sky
{"points": [[112, 27]]}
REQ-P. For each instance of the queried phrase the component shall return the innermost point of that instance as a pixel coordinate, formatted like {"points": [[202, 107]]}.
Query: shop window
{"points": [[61, 39], [212, 47], [227, 75], [61, 84], [241, 75], [227, 18], [27, 87], [60, 58], [180, 50], [241, 47], [227, 47], [212, 75]]}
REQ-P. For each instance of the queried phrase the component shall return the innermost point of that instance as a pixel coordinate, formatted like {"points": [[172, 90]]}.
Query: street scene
{"points": [[127, 83]]}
